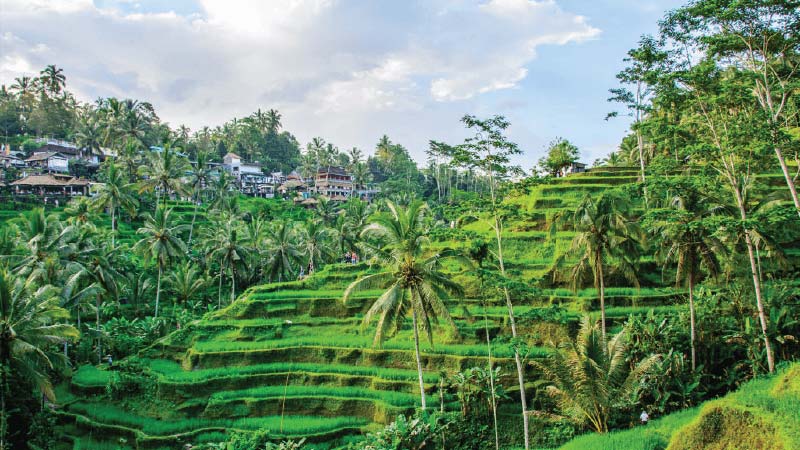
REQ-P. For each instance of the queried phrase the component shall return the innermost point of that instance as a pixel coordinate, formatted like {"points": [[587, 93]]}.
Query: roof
{"points": [[43, 156], [49, 180], [292, 184], [334, 170], [309, 201], [232, 155]]}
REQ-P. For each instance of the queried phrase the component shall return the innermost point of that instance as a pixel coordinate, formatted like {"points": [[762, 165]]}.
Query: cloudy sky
{"points": [[347, 70]]}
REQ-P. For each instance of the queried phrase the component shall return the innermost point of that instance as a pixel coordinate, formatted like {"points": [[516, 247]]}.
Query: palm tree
{"points": [[80, 210], [185, 281], [161, 241], [164, 173], [201, 177], [53, 79], [690, 242], [46, 242], [30, 328], [315, 238], [591, 376], [283, 250], [273, 121], [98, 266], [361, 175], [89, 135], [604, 236], [411, 278], [137, 289], [225, 246], [113, 194]]}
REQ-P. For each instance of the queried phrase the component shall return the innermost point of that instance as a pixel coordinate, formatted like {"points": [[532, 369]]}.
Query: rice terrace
{"points": [[480, 224]]}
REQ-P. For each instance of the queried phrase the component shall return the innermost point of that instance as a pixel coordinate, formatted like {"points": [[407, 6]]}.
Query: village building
{"points": [[48, 162], [334, 183], [50, 185], [575, 167], [249, 177]]}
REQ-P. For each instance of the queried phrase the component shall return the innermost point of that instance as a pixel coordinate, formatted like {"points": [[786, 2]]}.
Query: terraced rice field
{"points": [[294, 359]]}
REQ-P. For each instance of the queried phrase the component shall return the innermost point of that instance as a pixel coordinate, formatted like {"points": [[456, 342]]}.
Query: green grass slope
{"points": [[762, 414]]}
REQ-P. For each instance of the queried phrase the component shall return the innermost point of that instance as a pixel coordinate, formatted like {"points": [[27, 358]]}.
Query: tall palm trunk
{"points": [[692, 331], [233, 284], [194, 216], [601, 286], [97, 328], [158, 288], [419, 360], [113, 226], [789, 180], [219, 289], [756, 280], [510, 306]]}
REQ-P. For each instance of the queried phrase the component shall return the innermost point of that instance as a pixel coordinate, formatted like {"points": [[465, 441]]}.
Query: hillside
{"points": [[763, 413], [292, 358]]}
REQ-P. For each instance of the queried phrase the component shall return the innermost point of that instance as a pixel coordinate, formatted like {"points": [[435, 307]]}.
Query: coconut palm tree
{"points": [[687, 240], [46, 243], [80, 210], [590, 377], [201, 177], [224, 245], [273, 121], [113, 194], [606, 239], [30, 329], [164, 173], [281, 241], [89, 135], [315, 239], [161, 241], [53, 79], [185, 281], [410, 276]]}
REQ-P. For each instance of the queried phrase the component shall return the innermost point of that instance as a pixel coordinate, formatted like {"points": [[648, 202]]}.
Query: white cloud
{"points": [[344, 70]]}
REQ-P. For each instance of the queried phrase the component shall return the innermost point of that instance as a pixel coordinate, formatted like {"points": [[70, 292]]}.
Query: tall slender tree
{"points": [[489, 151], [410, 276], [161, 242], [606, 239], [114, 193]]}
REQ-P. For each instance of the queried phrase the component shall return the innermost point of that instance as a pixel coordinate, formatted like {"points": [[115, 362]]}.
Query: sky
{"points": [[349, 71]]}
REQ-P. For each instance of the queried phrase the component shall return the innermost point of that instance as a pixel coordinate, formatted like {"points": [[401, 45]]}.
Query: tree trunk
{"points": [[692, 331], [520, 369], [97, 328], [194, 216], [113, 225], [219, 290], [491, 377], [756, 280], [419, 360], [233, 284], [759, 301], [789, 180], [602, 289], [158, 288]]}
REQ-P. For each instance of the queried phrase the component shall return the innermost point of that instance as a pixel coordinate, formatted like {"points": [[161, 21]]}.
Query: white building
{"points": [[249, 176]]}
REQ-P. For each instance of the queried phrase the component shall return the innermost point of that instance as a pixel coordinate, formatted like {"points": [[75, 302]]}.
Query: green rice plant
{"points": [[172, 372], [268, 392], [357, 342], [90, 376], [292, 425]]}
